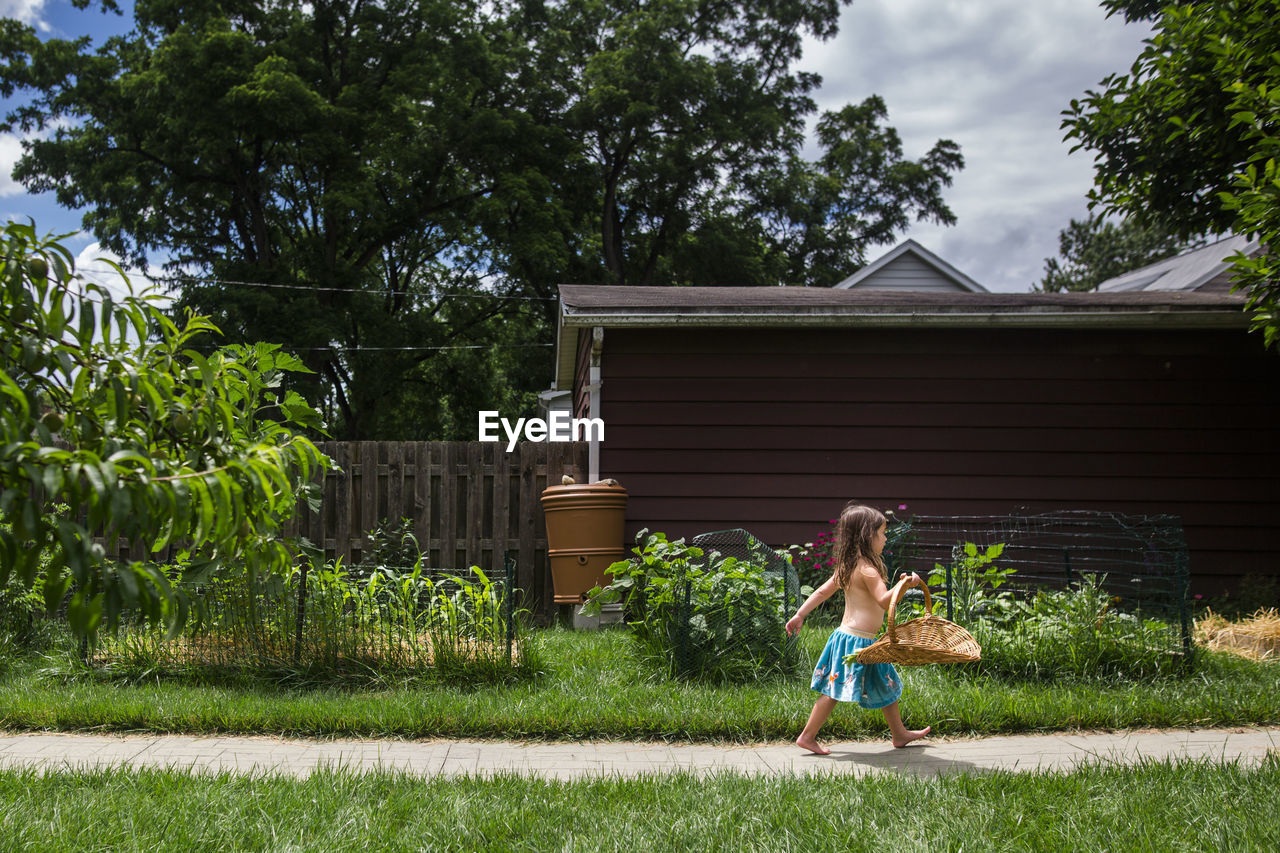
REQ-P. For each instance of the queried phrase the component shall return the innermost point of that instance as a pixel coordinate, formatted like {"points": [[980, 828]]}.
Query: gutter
{"points": [[1143, 318]]}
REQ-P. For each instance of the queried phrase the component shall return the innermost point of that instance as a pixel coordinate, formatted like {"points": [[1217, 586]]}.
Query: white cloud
{"points": [[94, 263], [994, 77], [10, 151], [27, 11]]}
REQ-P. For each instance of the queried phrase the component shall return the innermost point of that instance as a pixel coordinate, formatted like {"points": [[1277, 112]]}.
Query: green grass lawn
{"points": [[592, 686], [1154, 807]]}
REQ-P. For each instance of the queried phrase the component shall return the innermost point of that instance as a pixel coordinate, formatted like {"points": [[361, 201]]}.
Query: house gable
{"points": [[910, 266]]}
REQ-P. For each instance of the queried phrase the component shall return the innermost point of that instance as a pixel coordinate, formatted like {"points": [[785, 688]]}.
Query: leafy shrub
{"points": [[970, 583], [1078, 633], [701, 615], [23, 608], [390, 545]]}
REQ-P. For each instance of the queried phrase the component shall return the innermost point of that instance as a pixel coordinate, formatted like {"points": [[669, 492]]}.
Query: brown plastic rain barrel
{"points": [[584, 536]]}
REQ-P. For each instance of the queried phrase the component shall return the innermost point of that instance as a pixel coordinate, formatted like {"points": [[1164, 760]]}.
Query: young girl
{"points": [[860, 572]]}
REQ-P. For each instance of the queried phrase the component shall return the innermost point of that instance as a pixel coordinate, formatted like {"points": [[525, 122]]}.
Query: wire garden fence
{"points": [[323, 618], [1080, 579], [731, 616]]}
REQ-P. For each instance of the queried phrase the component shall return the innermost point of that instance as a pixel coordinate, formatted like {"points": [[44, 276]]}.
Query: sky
{"points": [[992, 75]]}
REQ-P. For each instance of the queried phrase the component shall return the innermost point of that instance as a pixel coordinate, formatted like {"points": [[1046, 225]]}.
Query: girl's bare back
{"points": [[861, 613]]}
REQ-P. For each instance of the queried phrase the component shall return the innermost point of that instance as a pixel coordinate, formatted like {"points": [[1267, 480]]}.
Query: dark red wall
{"points": [[773, 430]]}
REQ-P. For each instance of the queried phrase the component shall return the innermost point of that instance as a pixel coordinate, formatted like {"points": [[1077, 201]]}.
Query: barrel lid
{"points": [[583, 489]]}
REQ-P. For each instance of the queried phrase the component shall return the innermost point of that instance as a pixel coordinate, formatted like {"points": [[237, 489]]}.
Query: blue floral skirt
{"points": [[872, 685]]}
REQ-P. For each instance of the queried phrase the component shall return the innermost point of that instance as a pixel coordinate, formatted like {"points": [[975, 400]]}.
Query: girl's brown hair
{"points": [[854, 531]]}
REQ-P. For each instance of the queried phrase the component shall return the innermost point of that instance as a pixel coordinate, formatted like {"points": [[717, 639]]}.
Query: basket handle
{"points": [[893, 604]]}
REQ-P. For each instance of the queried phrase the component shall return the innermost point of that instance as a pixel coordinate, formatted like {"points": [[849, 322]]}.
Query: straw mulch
{"points": [[1256, 638]]}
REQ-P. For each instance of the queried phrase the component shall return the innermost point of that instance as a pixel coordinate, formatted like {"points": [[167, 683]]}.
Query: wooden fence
{"points": [[469, 501]]}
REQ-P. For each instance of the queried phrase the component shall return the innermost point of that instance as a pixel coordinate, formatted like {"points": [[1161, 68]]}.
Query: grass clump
{"points": [[593, 685], [1182, 806]]}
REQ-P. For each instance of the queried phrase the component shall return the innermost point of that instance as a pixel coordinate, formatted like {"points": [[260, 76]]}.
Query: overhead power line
{"points": [[309, 288], [417, 349]]}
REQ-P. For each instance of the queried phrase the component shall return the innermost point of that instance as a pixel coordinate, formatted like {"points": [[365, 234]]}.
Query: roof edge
{"points": [[1147, 317]]}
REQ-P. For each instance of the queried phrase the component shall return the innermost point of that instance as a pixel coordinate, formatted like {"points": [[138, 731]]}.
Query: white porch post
{"points": [[593, 379]]}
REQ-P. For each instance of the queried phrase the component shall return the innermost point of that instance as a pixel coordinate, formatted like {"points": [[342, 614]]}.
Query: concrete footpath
{"points": [[574, 760]]}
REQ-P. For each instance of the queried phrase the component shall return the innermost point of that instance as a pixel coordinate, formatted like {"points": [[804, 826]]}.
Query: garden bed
{"points": [[214, 649]]}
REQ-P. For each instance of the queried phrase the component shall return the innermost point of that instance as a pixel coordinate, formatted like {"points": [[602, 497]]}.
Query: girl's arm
{"points": [[811, 603], [875, 585]]}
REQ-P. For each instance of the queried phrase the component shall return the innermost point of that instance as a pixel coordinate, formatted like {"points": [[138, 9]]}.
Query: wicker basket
{"points": [[928, 639]]}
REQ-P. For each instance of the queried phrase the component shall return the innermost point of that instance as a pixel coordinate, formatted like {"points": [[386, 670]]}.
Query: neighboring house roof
{"points": [[1205, 269], [910, 266], [585, 306]]}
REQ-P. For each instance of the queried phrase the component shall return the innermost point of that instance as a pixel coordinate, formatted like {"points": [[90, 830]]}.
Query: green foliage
{"points": [[1078, 633], [22, 606], [1188, 139], [337, 150], [970, 584], [1170, 805], [390, 622], [701, 615], [391, 545], [1163, 133], [111, 409], [424, 173], [1254, 196], [1094, 250], [679, 137]]}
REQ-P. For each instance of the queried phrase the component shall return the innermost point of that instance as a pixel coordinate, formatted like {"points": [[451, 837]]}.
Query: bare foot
{"points": [[812, 745], [909, 736]]}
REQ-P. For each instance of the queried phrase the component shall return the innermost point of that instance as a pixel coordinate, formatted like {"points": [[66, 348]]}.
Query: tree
{"points": [[315, 166], [109, 408], [678, 128], [375, 183], [1095, 249], [1183, 141]]}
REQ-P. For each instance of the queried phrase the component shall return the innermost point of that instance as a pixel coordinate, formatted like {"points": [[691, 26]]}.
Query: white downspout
{"points": [[593, 378]]}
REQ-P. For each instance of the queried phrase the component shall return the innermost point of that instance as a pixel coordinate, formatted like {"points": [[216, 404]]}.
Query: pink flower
{"points": [[902, 506]]}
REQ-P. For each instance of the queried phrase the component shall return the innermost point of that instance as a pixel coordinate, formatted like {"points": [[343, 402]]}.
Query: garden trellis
{"points": [[1141, 561], [381, 619]]}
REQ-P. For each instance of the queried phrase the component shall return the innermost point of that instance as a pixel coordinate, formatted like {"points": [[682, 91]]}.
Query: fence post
{"points": [[509, 605], [1066, 559], [1183, 562], [302, 609], [950, 594]]}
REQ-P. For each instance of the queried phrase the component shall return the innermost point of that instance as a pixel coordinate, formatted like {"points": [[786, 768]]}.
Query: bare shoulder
{"points": [[870, 576]]}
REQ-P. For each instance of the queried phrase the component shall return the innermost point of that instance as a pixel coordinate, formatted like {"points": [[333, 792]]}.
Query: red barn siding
{"points": [[774, 429]]}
